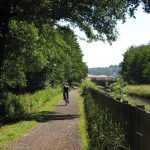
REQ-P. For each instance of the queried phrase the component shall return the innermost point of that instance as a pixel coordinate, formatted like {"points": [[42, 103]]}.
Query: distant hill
{"points": [[112, 70]]}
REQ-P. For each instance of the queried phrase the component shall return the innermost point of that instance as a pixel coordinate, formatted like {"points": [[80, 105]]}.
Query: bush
{"points": [[87, 84], [103, 133], [12, 108], [117, 90]]}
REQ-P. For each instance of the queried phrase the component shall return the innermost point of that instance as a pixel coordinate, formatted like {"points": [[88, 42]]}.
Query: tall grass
{"points": [[31, 102], [139, 90]]}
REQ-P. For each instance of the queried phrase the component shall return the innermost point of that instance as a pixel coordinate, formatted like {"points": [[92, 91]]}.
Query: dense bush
{"points": [[11, 107], [117, 90], [103, 133]]}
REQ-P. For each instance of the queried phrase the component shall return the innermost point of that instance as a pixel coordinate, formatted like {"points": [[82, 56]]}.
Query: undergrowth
{"points": [[103, 133]]}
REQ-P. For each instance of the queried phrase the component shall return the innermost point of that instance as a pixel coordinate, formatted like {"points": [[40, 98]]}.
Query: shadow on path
{"points": [[45, 116], [59, 117]]}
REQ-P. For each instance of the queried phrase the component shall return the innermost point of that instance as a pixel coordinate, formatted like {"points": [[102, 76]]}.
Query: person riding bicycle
{"points": [[66, 92]]}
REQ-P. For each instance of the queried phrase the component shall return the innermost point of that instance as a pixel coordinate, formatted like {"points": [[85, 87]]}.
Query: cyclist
{"points": [[66, 92]]}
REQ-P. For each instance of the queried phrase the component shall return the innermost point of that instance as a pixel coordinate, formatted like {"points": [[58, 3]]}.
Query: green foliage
{"points": [[28, 35], [37, 50], [103, 133], [117, 90], [40, 57], [11, 107], [36, 100], [85, 84], [87, 15], [15, 107], [23, 55], [136, 65]]}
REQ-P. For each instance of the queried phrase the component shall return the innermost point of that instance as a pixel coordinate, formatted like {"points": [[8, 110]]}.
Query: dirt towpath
{"points": [[58, 131]]}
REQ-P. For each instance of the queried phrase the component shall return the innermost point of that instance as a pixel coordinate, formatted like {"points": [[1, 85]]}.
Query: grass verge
{"points": [[83, 127], [11, 132]]}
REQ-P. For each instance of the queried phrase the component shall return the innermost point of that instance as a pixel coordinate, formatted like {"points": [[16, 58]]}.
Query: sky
{"points": [[133, 32]]}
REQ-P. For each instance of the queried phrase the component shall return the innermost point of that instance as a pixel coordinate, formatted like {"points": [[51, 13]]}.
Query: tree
{"points": [[24, 55], [136, 65], [88, 15], [37, 57], [101, 16]]}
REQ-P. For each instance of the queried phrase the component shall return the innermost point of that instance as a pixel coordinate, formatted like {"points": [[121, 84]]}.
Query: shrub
{"points": [[117, 90], [87, 84], [103, 133], [11, 107]]}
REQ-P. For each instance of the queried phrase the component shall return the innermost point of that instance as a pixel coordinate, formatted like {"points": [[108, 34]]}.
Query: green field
{"points": [[139, 90], [139, 95]]}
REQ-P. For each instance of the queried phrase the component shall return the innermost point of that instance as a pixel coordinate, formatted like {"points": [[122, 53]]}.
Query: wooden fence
{"points": [[135, 121]]}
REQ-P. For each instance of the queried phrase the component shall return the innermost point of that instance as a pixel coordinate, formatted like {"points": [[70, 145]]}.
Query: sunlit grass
{"points": [[31, 102], [11, 132], [83, 127]]}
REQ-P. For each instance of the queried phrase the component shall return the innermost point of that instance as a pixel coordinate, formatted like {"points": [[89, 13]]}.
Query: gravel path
{"points": [[58, 131]]}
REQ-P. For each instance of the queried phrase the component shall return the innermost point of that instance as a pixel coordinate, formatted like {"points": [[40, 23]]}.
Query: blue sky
{"points": [[133, 32]]}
